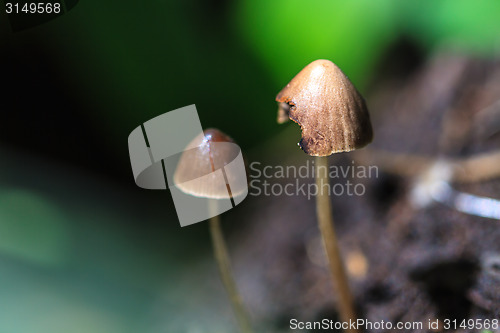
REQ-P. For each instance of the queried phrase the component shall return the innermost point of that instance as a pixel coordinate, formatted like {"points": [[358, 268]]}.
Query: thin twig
{"points": [[472, 169], [477, 168]]}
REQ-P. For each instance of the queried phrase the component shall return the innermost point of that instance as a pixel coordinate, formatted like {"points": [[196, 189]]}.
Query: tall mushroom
{"points": [[196, 175], [334, 118]]}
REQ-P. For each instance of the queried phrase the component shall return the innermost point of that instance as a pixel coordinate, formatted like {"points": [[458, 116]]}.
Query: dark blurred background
{"points": [[82, 249]]}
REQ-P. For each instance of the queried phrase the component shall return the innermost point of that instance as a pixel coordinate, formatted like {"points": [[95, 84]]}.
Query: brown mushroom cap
{"points": [[196, 171], [330, 111]]}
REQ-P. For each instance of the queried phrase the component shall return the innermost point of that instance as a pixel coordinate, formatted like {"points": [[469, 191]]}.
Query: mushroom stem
{"points": [[327, 229], [222, 258]]}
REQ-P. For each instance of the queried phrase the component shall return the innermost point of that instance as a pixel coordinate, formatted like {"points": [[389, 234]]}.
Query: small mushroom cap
{"points": [[330, 111], [199, 169]]}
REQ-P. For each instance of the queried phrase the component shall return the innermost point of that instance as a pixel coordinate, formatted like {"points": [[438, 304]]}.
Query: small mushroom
{"points": [[195, 175], [330, 111], [334, 118], [195, 172]]}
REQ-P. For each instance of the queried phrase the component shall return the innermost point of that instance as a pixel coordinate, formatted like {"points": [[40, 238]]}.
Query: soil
{"points": [[408, 263]]}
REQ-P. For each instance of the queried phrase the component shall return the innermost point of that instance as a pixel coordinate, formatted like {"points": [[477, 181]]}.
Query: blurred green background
{"points": [[82, 249]]}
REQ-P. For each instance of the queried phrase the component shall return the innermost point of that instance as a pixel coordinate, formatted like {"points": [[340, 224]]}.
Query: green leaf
{"points": [[287, 35]]}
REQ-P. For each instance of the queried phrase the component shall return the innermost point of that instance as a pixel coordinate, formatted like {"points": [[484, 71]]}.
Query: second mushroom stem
{"points": [[222, 258], [327, 229]]}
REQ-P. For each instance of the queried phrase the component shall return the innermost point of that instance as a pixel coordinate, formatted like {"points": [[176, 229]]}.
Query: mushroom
{"points": [[196, 175], [334, 118], [330, 111], [195, 172]]}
